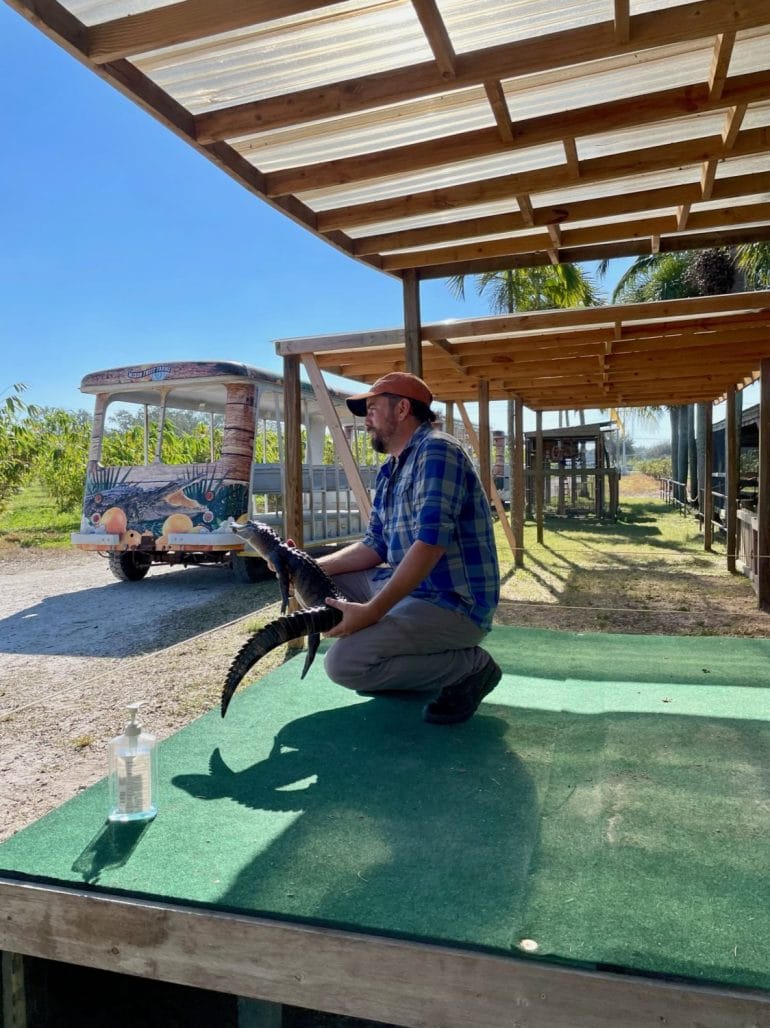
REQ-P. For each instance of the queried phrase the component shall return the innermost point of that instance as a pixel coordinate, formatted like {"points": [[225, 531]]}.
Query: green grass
{"points": [[648, 539], [31, 519]]}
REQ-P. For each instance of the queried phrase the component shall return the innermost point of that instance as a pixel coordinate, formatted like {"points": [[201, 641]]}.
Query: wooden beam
{"points": [[707, 176], [708, 484], [720, 63], [499, 105], [682, 214], [350, 973], [571, 156], [624, 203], [484, 441], [651, 229], [732, 457], [762, 583], [592, 171], [599, 251], [412, 326], [559, 127], [525, 209], [186, 21], [539, 484], [661, 314], [292, 478], [517, 481], [622, 21], [732, 126], [592, 42], [437, 36], [492, 492]]}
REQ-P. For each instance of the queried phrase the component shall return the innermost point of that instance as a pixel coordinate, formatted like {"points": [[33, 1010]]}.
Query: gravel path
{"points": [[76, 646]]}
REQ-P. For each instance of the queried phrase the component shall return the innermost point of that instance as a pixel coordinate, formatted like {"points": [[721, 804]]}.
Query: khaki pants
{"points": [[416, 646]]}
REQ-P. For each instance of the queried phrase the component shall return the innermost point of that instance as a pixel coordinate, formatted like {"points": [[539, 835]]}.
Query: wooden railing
{"points": [[747, 547]]}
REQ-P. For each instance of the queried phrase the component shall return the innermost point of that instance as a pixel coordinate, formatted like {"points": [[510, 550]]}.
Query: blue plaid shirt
{"points": [[431, 492]]}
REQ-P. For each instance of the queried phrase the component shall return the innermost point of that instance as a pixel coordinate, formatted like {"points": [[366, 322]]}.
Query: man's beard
{"points": [[378, 443]]}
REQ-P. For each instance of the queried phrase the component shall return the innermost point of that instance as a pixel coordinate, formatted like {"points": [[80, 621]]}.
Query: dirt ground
{"points": [[76, 645]]}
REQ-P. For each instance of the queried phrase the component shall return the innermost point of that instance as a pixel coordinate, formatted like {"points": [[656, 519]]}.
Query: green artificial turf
{"points": [[608, 804]]}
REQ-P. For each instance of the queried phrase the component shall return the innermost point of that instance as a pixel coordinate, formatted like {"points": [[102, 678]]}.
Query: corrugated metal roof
{"points": [[446, 137], [366, 120]]}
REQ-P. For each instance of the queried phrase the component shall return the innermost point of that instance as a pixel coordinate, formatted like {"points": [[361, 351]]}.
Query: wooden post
{"points": [[763, 494], [731, 479], [292, 420], [485, 470], [412, 325], [517, 481], [449, 418], [708, 484], [13, 1002], [539, 475]]}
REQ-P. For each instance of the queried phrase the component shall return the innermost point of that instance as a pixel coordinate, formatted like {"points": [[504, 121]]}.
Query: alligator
{"points": [[311, 585]]}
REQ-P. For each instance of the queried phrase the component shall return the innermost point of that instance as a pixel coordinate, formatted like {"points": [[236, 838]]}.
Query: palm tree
{"points": [[532, 289], [753, 259]]}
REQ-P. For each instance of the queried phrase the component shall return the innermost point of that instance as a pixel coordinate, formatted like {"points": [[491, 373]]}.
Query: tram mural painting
{"points": [[170, 513]]}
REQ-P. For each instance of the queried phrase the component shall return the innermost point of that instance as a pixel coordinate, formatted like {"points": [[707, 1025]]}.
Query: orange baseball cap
{"points": [[397, 383]]}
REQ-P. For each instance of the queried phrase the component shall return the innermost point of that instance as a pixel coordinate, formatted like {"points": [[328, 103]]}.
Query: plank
{"points": [[349, 973]]}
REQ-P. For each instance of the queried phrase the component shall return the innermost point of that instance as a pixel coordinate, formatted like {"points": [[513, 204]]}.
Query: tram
{"points": [[162, 512]]}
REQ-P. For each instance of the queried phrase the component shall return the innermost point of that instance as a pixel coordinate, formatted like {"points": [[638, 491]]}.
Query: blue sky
{"points": [[123, 245]]}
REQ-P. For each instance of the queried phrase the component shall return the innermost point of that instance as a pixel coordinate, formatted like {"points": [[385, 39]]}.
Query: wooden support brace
{"points": [[341, 444], [494, 494]]}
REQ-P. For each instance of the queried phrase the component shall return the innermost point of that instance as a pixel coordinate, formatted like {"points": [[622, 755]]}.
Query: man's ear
{"points": [[404, 408]]}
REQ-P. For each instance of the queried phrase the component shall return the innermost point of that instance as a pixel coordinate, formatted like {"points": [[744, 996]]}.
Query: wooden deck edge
{"points": [[401, 982]]}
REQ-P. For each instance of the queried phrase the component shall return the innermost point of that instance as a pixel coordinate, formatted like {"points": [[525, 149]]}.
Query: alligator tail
{"points": [[311, 621]]}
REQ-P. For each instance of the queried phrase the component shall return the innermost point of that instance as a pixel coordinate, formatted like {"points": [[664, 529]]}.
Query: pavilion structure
{"points": [[437, 138]]}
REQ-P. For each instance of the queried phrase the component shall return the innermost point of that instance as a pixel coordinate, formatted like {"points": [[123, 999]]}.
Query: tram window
{"points": [[188, 436]]}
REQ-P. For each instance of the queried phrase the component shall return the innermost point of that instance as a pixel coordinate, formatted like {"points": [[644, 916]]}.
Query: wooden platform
{"points": [[584, 852]]}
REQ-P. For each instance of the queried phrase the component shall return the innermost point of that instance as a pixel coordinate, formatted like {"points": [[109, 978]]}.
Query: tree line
{"points": [[49, 445]]}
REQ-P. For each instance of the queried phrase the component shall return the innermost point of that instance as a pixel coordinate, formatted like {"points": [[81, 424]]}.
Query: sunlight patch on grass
{"points": [[31, 519]]}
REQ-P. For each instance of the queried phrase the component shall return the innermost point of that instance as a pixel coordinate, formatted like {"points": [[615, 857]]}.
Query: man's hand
{"points": [[355, 616]]}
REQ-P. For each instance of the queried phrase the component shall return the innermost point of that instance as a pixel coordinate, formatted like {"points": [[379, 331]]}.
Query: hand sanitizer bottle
{"points": [[133, 772]]}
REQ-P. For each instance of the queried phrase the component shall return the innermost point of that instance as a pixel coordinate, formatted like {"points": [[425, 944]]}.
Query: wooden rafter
{"points": [[555, 238], [499, 105], [437, 36], [548, 52], [184, 22], [559, 127], [670, 156], [720, 63], [622, 21], [405, 168], [614, 205]]}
